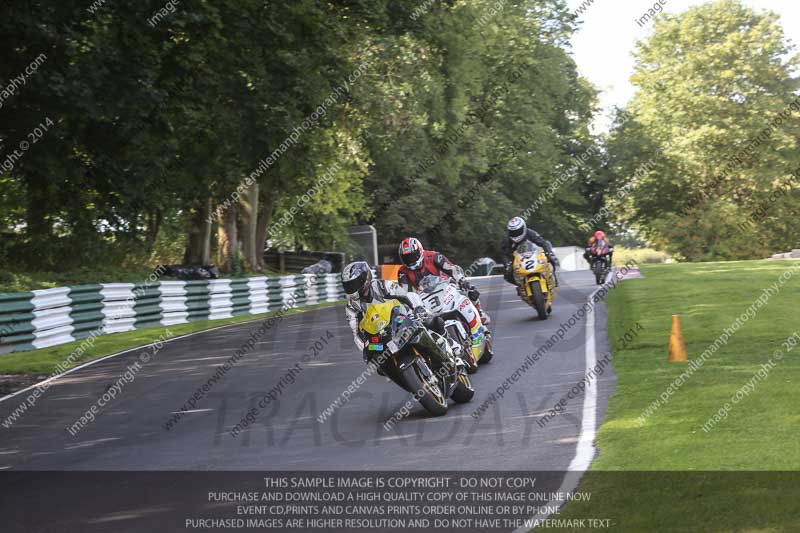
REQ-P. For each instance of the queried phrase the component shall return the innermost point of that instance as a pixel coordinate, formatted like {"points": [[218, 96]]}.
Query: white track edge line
{"points": [[585, 450]]}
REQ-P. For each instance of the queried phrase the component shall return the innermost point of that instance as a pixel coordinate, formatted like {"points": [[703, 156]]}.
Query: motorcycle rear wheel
{"points": [[487, 353], [427, 393]]}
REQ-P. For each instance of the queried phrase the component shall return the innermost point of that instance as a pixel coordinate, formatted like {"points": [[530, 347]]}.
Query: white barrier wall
{"points": [[571, 258]]}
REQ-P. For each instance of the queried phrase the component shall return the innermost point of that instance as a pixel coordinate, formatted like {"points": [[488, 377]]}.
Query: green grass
{"points": [[641, 255], [44, 361], [760, 432]]}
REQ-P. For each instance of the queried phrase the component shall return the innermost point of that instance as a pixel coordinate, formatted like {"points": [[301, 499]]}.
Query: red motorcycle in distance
{"points": [[600, 256]]}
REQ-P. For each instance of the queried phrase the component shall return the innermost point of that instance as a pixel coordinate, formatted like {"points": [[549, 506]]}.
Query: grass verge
{"points": [[43, 362], [658, 469]]}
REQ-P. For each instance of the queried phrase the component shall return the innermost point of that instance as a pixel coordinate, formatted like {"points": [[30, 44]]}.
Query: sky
{"points": [[604, 44]]}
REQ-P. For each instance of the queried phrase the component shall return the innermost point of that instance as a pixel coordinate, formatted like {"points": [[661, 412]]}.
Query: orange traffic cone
{"points": [[677, 347]]}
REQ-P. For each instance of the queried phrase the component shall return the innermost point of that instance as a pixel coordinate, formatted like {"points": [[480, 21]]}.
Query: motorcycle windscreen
{"points": [[377, 317]]}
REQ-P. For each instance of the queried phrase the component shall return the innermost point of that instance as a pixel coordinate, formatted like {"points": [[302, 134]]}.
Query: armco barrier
{"points": [[48, 317]]}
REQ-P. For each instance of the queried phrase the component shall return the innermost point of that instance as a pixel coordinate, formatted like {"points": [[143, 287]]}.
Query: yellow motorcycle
{"points": [[534, 276], [414, 356]]}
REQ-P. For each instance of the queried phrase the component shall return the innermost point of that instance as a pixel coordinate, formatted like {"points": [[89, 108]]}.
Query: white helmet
{"points": [[410, 253], [517, 229]]}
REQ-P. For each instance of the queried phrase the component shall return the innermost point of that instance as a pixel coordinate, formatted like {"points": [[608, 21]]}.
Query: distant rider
{"points": [[418, 263], [519, 232], [597, 242]]}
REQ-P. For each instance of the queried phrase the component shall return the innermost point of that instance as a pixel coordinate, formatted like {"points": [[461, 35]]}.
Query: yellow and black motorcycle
{"points": [[534, 276], [414, 356]]}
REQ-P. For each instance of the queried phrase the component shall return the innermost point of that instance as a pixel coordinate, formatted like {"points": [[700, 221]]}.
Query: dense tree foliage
{"points": [[708, 160], [230, 125], [220, 128]]}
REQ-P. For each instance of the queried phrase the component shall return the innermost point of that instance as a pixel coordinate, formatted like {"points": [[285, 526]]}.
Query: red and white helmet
{"points": [[411, 253], [599, 235]]}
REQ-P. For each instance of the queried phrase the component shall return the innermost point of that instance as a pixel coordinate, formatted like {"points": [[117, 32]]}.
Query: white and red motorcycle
{"points": [[462, 322]]}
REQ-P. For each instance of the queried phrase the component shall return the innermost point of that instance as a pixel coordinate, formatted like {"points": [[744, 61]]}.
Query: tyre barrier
{"points": [[49, 317]]}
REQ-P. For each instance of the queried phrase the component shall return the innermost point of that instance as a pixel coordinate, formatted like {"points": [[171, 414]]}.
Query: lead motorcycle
{"points": [[443, 299], [414, 356], [534, 276]]}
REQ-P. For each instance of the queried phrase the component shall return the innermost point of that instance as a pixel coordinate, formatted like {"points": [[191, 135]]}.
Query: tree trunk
{"points": [[264, 219], [38, 227], [154, 220], [228, 238], [198, 242], [208, 221], [249, 203]]}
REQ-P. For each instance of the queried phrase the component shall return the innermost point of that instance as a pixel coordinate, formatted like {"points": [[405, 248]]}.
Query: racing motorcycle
{"points": [[534, 277], [601, 266], [443, 299], [414, 356]]}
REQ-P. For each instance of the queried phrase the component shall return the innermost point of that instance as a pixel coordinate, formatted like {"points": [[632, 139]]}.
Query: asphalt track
{"points": [[130, 433]]}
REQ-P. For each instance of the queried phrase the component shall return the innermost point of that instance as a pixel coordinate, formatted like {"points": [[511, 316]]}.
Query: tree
{"points": [[716, 117]]}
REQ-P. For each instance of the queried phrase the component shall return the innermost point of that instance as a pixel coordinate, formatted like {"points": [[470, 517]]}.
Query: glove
{"points": [[421, 313], [465, 285]]}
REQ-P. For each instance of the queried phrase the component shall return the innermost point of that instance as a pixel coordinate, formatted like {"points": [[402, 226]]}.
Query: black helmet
{"points": [[356, 277]]}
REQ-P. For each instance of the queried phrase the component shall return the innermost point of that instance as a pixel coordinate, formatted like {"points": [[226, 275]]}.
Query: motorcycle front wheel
{"points": [[539, 301], [598, 269], [472, 365], [464, 390], [427, 393]]}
